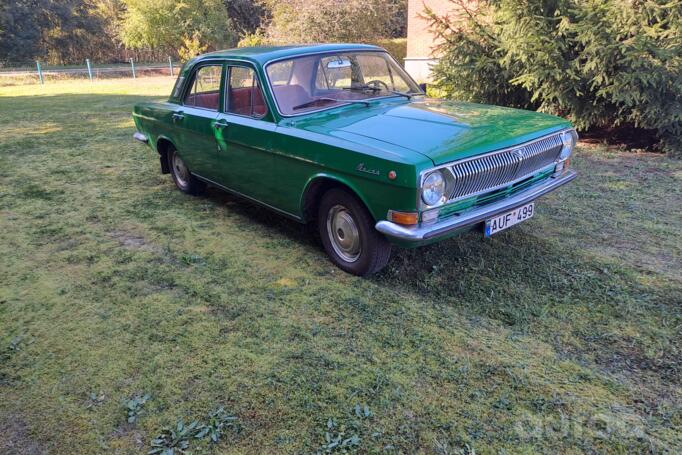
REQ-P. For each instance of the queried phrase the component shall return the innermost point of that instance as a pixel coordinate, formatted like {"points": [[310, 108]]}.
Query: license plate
{"points": [[509, 219]]}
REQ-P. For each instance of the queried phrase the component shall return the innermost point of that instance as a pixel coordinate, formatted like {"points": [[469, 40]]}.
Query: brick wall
{"points": [[420, 41]]}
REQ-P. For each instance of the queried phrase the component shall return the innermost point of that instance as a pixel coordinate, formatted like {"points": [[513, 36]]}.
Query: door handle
{"points": [[177, 116], [219, 125]]}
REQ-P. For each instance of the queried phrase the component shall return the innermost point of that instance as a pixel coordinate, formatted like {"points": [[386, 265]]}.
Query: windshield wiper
{"points": [[406, 95], [378, 89], [362, 88], [310, 103]]}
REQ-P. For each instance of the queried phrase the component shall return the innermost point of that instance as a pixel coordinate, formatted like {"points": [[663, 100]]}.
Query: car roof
{"points": [[263, 54]]}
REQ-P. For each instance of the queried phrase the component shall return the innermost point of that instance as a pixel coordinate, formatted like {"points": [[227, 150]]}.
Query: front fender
{"points": [[313, 181], [378, 197]]}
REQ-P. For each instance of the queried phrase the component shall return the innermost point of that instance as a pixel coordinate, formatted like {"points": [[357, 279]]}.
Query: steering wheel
{"points": [[376, 83]]}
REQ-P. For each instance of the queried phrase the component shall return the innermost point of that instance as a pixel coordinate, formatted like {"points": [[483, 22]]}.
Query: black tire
{"points": [[344, 216], [184, 180]]}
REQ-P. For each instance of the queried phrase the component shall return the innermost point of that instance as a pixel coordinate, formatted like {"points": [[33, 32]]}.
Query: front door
{"points": [[196, 118], [244, 133]]}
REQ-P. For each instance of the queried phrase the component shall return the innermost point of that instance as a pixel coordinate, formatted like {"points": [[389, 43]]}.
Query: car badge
{"points": [[361, 167]]}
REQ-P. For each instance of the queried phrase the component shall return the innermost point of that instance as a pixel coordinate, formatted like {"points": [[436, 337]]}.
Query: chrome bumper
{"points": [[473, 216], [140, 137]]}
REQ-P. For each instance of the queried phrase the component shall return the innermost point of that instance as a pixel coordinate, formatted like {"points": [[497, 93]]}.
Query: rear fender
{"points": [[163, 144]]}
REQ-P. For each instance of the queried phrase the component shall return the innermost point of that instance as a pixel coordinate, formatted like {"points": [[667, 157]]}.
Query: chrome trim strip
{"points": [[249, 198], [145, 117], [141, 137], [473, 216]]}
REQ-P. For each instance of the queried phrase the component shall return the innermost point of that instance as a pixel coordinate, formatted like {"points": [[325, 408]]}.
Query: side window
{"points": [[179, 85], [244, 95], [205, 92]]}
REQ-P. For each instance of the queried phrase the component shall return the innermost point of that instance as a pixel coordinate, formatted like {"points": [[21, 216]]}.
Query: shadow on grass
{"points": [[524, 281], [303, 234]]}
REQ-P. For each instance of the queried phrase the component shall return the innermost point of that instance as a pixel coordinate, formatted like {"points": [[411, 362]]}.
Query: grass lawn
{"points": [[560, 335]]}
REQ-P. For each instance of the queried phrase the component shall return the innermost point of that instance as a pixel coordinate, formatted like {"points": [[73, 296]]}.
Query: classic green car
{"points": [[341, 136]]}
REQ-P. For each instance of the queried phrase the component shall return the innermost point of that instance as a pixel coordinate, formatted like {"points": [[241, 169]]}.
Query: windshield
{"points": [[315, 82]]}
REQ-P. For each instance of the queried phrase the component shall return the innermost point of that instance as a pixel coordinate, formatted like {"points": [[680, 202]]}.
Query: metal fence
{"points": [[39, 73]]}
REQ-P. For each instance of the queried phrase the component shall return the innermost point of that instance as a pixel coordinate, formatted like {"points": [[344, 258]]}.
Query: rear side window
{"points": [[179, 85], [205, 90], [244, 95]]}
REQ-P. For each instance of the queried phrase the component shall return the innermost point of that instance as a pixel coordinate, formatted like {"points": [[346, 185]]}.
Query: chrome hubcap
{"points": [[343, 233], [180, 170]]}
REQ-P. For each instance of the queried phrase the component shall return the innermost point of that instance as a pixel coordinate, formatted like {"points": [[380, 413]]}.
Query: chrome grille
{"points": [[498, 169]]}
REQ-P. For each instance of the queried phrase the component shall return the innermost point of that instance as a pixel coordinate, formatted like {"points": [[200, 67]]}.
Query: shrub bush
{"points": [[256, 38], [600, 63], [322, 21], [397, 47]]}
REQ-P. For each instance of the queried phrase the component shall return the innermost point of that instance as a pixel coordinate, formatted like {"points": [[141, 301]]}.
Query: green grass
{"points": [[561, 335]]}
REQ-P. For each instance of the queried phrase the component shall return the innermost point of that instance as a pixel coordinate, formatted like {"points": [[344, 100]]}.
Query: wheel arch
{"points": [[163, 144], [319, 184]]}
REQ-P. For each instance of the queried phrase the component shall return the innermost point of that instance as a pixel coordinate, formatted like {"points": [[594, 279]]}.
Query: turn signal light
{"points": [[403, 217]]}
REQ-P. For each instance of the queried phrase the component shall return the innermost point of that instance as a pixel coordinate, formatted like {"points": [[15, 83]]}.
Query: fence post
{"points": [[170, 65], [87, 62], [132, 65], [40, 72]]}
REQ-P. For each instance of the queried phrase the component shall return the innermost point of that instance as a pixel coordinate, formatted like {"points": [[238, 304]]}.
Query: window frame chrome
{"points": [[226, 88]]}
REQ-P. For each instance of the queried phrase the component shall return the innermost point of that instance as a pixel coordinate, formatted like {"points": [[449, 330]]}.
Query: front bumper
{"points": [[422, 232]]}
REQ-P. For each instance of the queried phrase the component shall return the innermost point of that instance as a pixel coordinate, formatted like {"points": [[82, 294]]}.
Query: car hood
{"points": [[438, 129]]}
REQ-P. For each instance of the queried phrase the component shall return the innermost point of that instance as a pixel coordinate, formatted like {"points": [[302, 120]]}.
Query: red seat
{"points": [[259, 108], [208, 100], [240, 101]]}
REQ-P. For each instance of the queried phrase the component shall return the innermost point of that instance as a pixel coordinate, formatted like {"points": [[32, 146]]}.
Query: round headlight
{"points": [[569, 139], [433, 190]]}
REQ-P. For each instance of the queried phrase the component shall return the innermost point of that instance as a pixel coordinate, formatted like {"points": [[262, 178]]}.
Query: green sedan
{"points": [[341, 136]]}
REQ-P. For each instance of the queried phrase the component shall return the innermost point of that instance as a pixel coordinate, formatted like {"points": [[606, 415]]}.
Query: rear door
{"points": [[195, 119]]}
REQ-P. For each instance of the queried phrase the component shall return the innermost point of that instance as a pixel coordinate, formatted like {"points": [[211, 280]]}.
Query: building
{"points": [[420, 40]]}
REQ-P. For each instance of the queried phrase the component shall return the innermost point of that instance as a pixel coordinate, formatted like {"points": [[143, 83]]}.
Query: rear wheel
{"points": [[182, 177], [348, 235]]}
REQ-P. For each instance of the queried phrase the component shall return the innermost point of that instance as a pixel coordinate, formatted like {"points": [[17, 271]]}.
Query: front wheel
{"points": [[348, 235]]}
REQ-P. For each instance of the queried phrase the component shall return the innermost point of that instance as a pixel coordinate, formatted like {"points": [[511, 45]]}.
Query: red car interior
{"points": [[240, 101], [288, 96], [206, 100]]}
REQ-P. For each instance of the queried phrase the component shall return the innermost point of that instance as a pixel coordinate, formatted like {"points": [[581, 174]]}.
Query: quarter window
{"points": [[244, 93], [205, 92]]}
